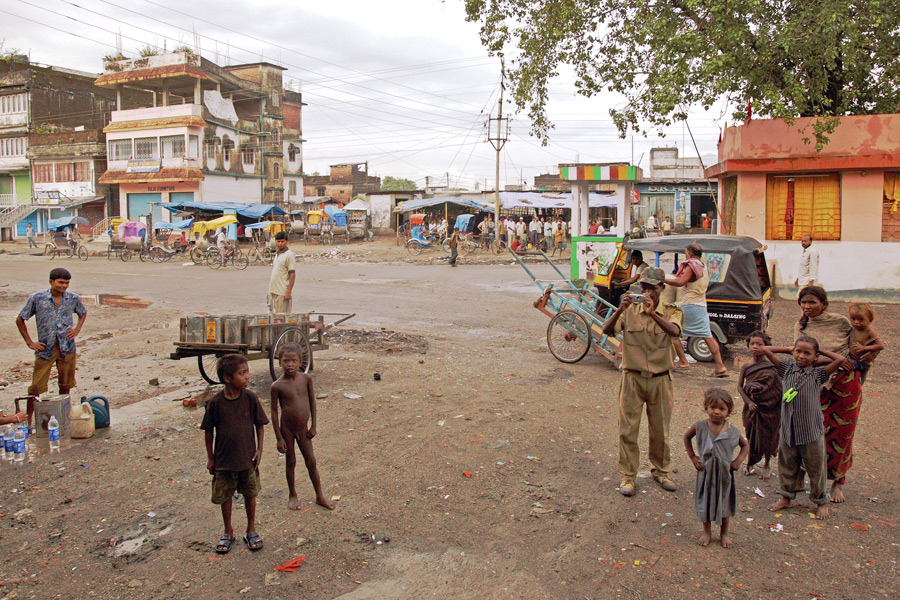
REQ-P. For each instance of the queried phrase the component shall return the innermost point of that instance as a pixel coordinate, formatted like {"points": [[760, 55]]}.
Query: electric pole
{"points": [[498, 138]]}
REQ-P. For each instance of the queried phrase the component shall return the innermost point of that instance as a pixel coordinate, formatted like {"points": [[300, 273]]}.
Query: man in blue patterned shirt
{"points": [[53, 311]]}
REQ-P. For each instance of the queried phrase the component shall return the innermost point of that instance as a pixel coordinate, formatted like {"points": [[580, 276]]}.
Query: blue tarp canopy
{"points": [[183, 224], [411, 205], [253, 211], [260, 225], [330, 209], [60, 223]]}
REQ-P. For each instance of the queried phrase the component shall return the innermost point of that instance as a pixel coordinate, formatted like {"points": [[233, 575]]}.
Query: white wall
{"points": [[842, 265], [380, 207], [222, 188]]}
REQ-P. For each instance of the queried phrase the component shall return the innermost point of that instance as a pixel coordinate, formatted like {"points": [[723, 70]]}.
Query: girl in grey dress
{"points": [[714, 494]]}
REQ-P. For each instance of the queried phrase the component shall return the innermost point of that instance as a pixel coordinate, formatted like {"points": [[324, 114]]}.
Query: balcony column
{"points": [[198, 93], [119, 97], [165, 92]]}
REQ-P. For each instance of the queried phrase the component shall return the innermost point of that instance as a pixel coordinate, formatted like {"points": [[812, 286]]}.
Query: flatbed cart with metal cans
{"points": [[254, 336], [576, 314]]}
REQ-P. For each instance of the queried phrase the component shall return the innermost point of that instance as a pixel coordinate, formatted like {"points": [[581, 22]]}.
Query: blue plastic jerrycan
{"points": [[100, 406]]}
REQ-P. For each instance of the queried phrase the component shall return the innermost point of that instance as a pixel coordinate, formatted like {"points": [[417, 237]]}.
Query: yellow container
{"points": [[81, 421]]}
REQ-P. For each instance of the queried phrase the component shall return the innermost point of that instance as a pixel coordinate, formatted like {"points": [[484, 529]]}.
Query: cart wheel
{"points": [[291, 335], [48, 249], [240, 261], [207, 364], [414, 247], [197, 255], [51, 252], [125, 255], [445, 245], [268, 257], [144, 254], [699, 349], [156, 254], [82, 253], [467, 247], [569, 336]]}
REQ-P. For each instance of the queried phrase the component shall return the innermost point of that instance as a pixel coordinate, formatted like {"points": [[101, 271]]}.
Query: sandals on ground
{"points": [[253, 541], [224, 545]]}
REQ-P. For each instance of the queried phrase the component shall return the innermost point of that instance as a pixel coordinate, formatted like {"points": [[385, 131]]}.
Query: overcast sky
{"points": [[407, 88]]}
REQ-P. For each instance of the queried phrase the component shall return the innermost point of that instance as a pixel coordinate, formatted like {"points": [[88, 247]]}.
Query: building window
{"points": [[172, 146], [292, 188], [292, 152], [43, 173], [13, 146], [803, 205], [276, 171], [193, 146], [82, 171], [64, 172], [212, 146], [890, 208], [227, 148], [12, 104], [147, 148], [248, 154], [119, 149]]}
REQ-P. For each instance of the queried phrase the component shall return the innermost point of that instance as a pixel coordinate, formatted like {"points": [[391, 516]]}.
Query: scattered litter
{"points": [[778, 528], [749, 519], [500, 464], [458, 416], [245, 590], [530, 458], [335, 498], [440, 423], [352, 396], [271, 579], [668, 514], [759, 493], [501, 443], [467, 474], [433, 395], [291, 565], [859, 526], [778, 514], [151, 514]]}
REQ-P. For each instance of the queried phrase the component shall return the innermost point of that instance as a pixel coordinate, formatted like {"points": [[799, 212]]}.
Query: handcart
{"points": [[576, 314], [254, 336]]}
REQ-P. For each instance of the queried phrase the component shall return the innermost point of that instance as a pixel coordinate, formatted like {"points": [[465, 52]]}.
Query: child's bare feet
{"points": [[705, 539], [781, 504], [725, 541], [822, 512], [323, 501], [765, 473], [293, 503], [837, 493], [749, 470]]}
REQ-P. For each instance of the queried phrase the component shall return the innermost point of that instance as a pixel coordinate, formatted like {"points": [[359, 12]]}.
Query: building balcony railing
{"points": [[7, 200]]}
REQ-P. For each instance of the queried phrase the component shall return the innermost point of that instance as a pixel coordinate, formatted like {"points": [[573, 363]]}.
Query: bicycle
{"points": [[199, 253], [238, 259], [161, 253], [265, 256]]}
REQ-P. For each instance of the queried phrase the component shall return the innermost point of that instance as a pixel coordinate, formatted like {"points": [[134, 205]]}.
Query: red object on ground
{"points": [[291, 565], [467, 474]]}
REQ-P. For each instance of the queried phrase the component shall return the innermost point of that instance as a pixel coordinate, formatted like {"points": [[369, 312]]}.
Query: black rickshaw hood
{"points": [[741, 279]]}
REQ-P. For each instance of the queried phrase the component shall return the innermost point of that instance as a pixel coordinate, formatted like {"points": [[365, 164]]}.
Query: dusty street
{"points": [[467, 385]]}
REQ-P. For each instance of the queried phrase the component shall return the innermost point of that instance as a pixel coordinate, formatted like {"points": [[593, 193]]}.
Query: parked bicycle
{"points": [[261, 256], [233, 255]]}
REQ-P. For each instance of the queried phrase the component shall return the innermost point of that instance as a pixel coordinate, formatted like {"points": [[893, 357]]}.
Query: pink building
{"points": [[775, 187]]}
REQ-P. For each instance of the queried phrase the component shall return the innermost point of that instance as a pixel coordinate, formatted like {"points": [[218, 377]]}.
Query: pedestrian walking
{"points": [[808, 273], [29, 233], [281, 283]]}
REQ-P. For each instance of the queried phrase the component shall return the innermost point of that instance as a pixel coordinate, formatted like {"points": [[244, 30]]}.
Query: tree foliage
{"points": [[786, 58], [395, 184]]}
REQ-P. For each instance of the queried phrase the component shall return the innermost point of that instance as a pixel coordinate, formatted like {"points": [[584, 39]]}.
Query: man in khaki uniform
{"points": [[647, 330], [281, 283]]}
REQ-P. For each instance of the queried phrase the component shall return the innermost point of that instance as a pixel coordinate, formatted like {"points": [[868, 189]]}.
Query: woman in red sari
{"points": [[842, 396]]}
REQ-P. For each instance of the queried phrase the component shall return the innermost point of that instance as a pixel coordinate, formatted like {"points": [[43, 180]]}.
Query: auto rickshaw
{"points": [[739, 298]]}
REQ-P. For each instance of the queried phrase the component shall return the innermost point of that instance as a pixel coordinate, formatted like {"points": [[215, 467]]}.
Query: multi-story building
{"points": [[344, 183], [208, 134], [50, 147]]}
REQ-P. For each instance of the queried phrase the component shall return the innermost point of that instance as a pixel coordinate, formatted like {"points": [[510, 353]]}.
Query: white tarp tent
{"points": [[511, 200], [358, 204]]}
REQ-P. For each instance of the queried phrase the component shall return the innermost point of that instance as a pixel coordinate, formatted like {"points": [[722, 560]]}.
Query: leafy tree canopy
{"points": [[395, 184], [786, 58]]}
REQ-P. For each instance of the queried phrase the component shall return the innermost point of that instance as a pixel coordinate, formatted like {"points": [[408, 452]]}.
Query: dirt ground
{"points": [[467, 386]]}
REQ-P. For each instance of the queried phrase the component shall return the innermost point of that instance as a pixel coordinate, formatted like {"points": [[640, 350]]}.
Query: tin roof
{"points": [[110, 79], [185, 174]]}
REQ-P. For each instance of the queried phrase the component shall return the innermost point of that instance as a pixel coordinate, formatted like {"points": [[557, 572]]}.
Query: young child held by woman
{"points": [[715, 497], [864, 341]]}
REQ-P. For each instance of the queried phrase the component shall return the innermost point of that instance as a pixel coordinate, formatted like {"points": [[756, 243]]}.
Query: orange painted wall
{"points": [[751, 217], [861, 197]]}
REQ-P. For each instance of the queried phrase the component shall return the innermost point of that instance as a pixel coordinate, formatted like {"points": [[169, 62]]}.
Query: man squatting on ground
{"points": [[281, 284], [52, 310], [647, 331]]}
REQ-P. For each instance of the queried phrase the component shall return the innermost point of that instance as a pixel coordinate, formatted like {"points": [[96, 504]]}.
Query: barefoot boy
{"points": [[235, 421], [293, 394], [802, 424]]}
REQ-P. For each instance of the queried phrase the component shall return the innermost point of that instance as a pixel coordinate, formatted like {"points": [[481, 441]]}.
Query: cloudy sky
{"points": [[407, 88]]}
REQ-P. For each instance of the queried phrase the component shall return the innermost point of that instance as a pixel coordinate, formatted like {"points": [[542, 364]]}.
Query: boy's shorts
{"points": [[225, 483]]}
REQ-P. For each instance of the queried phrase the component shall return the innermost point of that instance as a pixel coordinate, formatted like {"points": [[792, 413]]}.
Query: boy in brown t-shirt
{"points": [[235, 421]]}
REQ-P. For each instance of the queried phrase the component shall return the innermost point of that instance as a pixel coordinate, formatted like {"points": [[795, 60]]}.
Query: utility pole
{"points": [[498, 138]]}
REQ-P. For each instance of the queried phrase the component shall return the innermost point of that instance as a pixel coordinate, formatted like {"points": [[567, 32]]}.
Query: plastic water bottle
{"points": [[20, 447], [24, 428], [53, 431], [9, 443], [2, 443]]}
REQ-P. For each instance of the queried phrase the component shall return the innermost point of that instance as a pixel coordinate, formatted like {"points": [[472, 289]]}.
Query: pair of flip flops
{"points": [[253, 541]]}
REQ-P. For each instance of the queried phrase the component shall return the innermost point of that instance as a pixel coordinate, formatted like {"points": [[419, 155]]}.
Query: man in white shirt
{"points": [[520, 230], [809, 264], [281, 283], [651, 222]]}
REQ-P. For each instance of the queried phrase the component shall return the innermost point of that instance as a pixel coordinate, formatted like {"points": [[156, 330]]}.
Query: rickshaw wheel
{"points": [[207, 364], [156, 254], [213, 261], [53, 253], [125, 255], [291, 335], [699, 349], [445, 245], [568, 336], [48, 249], [82, 253], [414, 247], [197, 255], [144, 254], [240, 260]]}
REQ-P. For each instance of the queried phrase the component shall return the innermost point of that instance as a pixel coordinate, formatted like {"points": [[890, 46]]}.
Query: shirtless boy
{"points": [[293, 394]]}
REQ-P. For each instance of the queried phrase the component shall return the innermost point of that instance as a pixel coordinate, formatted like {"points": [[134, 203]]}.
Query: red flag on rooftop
{"points": [[749, 110]]}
